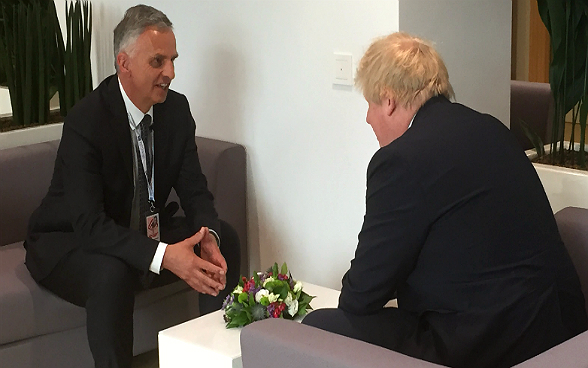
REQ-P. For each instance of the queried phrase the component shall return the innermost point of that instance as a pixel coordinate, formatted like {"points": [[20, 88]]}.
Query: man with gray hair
{"points": [[103, 231], [457, 227]]}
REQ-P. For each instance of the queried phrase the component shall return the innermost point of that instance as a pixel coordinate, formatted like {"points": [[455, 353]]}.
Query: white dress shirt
{"points": [[135, 117]]}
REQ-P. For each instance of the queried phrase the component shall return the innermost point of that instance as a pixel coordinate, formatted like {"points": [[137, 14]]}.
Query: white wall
{"points": [[5, 108], [260, 73], [473, 37]]}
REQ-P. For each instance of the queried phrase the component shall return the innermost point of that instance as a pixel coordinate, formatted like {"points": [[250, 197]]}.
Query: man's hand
{"points": [[209, 251], [202, 275]]}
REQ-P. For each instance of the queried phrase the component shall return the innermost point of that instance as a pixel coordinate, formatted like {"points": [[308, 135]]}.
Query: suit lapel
{"points": [[122, 133], [120, 124]]}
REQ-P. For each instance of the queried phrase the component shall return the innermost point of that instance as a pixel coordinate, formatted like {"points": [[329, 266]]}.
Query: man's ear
{"points": [[389, 103], [122, 60]]}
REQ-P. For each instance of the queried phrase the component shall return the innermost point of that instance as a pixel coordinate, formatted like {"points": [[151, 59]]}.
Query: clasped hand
{"points": [[205, 274]]}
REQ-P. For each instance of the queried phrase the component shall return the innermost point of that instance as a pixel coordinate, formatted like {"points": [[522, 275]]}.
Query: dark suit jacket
{"points": [[89, 201], [458, 225]]}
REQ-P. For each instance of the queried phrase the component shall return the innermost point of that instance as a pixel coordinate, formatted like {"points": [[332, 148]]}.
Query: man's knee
{"points": [[113, 276], [229, 235], [230, 245], [175, 229], [325, 319]]}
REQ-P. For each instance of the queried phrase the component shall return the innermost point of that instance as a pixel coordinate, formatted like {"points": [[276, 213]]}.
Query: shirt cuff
{"points": [[155, 266], [216, 237]]}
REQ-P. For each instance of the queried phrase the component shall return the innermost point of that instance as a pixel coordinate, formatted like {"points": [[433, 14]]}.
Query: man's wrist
{"points": [[157, 262]]}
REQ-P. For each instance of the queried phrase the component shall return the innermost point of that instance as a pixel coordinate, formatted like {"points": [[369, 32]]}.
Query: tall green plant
{"points": [[9, 3], [567, 24], [26, 50], [35, 61], [75, 55]]}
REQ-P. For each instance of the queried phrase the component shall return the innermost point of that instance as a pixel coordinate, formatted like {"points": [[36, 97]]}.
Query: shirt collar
{"points": [[134, 114], [409, 125]]}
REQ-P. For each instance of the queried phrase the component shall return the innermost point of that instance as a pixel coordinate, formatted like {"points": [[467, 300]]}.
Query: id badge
{"points": [[152, 222]]}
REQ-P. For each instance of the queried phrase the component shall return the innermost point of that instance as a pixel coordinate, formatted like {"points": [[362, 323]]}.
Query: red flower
{"points": [[278, 308], [249, 285]]}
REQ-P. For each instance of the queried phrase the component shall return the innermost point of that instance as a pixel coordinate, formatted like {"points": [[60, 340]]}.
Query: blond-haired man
{"points": [[457, 225]]}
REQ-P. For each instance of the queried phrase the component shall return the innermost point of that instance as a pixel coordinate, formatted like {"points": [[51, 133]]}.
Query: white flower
{"points": [[273, 297], [288, 300], [297, 286], [260, 294], [271, 278], [293, 308], [238, 290]]}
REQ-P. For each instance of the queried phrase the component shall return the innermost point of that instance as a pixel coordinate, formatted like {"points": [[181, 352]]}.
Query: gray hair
{"points": [[135, 21]]}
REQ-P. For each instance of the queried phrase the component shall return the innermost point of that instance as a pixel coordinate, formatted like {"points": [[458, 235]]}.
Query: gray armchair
{"points": [[37, 329], [294, 345], [532, 103]]}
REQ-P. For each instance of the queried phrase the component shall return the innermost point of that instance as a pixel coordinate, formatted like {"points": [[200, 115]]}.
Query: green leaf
{"points": [[234, 308], [284, 270], [27, 56], [305, 298], [258, 312], [271, 285], [243, 298], [533, 137], [232, 324], [239, 320], [583, 123], [297, 294], [280, 288], [275, 270], [264, 301], [302, 312], [567, 24]]}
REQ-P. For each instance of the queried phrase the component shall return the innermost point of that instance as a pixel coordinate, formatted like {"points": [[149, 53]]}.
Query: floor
{"points": [[149, 359]]}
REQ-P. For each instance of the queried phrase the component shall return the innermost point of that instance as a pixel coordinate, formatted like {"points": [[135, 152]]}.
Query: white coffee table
{"points": [[206, 342]]}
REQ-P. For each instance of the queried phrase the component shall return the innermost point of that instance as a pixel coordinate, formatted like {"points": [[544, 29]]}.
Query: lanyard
{"points": [[150, 183]]}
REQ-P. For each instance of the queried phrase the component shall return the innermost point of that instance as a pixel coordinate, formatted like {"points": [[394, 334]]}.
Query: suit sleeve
{"points": [[192, 188], [84, 188], [391, 237]]}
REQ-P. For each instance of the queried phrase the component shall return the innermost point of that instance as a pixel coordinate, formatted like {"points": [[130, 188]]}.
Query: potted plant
{"points": [[27, 53], [35, 63], [567, 24]]}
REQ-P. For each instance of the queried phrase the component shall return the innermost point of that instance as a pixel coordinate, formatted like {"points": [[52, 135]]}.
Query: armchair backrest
{"points": [[532, 103], [25, 174]]}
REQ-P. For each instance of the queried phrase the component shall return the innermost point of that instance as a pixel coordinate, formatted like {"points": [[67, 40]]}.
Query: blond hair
{"points": [[402, 67]]}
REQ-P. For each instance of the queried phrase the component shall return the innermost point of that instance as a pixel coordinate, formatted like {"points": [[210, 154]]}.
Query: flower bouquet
{"points": [[271, 294]]}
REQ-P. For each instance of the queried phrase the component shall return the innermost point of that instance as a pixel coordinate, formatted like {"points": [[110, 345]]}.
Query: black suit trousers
{"points": [[106, 286]]}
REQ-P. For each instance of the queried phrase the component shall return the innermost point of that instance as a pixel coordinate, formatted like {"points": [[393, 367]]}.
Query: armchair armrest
{"points": [[294, 345], [571, 353], [224, 165]]}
